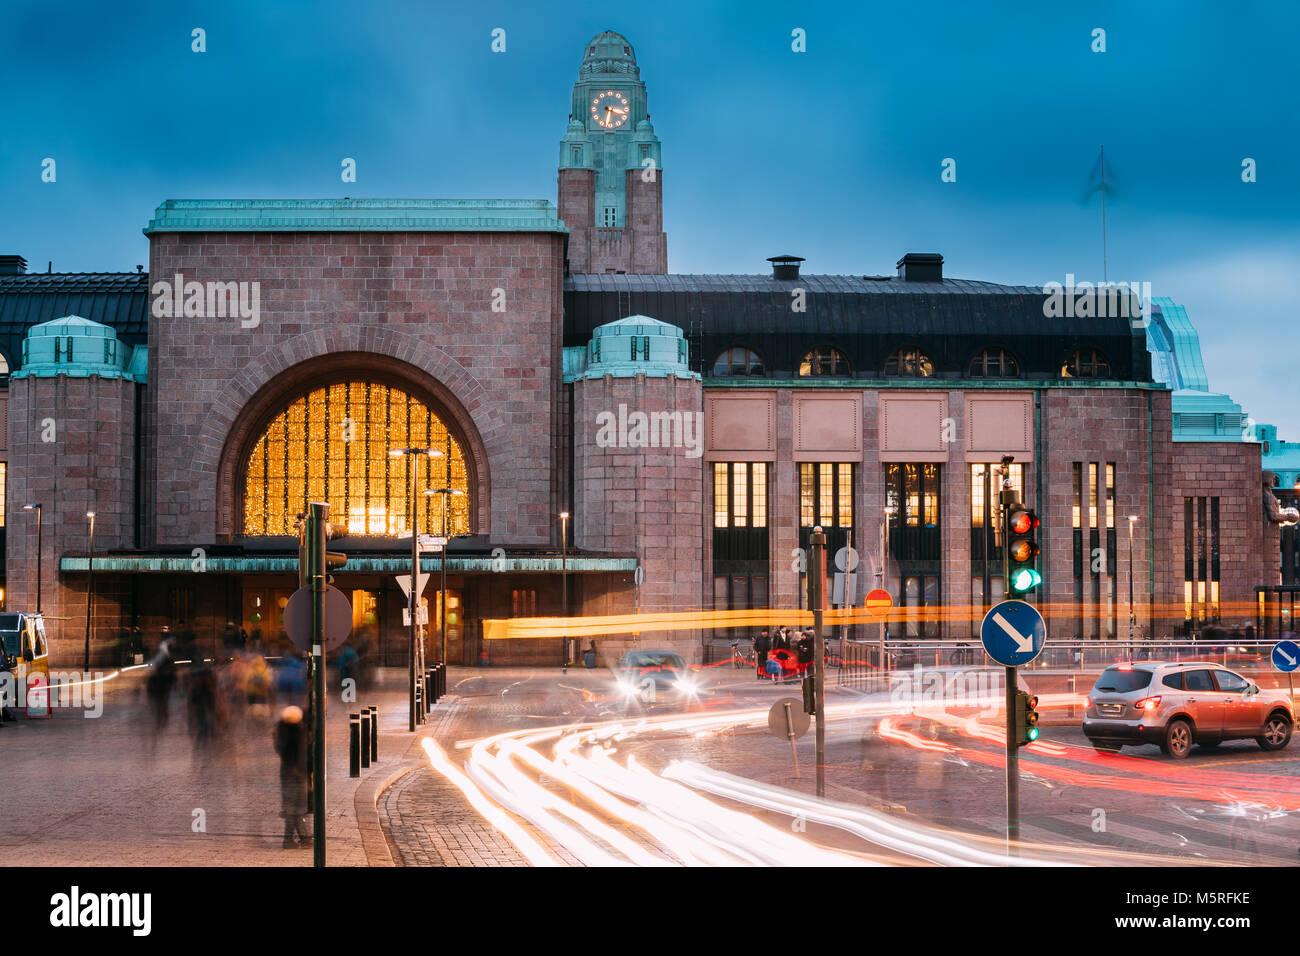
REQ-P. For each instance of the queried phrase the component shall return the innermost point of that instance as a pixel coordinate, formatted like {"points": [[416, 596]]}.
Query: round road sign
{"points": [[338, 618]]}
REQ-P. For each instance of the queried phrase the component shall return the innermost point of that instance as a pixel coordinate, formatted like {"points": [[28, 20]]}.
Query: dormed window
{"points": [[825, 362], [993, 363], [1086, 363], [738, 360], [908, 363], [332, 444]]}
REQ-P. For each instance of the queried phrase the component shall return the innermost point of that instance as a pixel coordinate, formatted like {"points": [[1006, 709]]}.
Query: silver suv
{"points": [[1177, 705]]}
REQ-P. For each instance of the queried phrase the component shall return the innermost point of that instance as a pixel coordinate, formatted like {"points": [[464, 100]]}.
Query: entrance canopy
{"points": [[287, 563]]}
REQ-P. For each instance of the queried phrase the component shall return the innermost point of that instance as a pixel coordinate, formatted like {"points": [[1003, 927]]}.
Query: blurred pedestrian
{"points": [[158, 686], [762, 644], [291, 745], [804, 650], [201, 703]]}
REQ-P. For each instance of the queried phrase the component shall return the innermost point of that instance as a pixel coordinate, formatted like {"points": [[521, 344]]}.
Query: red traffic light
{"points": [[1022, 522]]}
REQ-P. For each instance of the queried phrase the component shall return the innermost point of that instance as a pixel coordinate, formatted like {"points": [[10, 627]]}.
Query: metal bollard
{"points": [[354, 745], [365, 737], [442, 678], [374, 734], [432, 684], [419, 701]]}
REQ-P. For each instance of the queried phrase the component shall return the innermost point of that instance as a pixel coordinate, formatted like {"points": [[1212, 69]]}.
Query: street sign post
{"points": [[788, 719], [1286, 658], [879, 599], [1013, 634]]}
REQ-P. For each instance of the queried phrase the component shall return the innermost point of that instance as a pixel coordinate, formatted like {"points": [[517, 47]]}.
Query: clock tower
{"points": [[611, 170]]}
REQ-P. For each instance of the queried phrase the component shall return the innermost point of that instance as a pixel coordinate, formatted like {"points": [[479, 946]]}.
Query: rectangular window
{"points": [[720, 507], [4, 476], [913, 491], [825, 494], [740, 494], [758, 509], [610, 217], [807, 495], [1110, 495], [1200, 561], [846, 494]]}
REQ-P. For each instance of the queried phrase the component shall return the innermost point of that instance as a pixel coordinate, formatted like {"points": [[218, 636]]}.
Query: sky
{"points": [[834, 153]]}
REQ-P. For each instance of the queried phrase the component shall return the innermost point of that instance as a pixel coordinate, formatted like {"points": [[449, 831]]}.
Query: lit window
{"points": [[825, 362], [739, 494], [759, 497], [1086, 363], [909, 363], [720, 511], [333, 444]]}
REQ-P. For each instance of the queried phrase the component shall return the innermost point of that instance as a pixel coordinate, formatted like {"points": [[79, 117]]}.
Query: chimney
{"points": [[921, 267], [12, 265], [785, 268]]}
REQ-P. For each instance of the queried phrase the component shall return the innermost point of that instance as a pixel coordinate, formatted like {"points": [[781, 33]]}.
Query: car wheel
{"points": [[1106, 748], [1277, 733], [1178, 739]]}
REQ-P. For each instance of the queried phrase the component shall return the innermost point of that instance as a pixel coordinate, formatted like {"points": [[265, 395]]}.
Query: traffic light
{"points": [[1026, 718], [809, 695], [1022, 549]]}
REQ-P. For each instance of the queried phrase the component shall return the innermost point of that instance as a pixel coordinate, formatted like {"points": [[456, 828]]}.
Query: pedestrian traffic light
{"points": [[1022, 549], [1026, 722]]}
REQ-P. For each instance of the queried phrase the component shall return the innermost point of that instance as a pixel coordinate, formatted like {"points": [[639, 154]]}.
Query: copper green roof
{"points": [[355, 215]]}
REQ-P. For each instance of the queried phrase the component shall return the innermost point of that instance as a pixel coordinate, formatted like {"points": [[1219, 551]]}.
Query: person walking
{"points": [[762, 644], [804, 650], [291, 745], [158, 686]]}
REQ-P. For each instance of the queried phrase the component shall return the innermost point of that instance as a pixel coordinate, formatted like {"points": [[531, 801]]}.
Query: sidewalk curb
{"points": [[366, 803]]}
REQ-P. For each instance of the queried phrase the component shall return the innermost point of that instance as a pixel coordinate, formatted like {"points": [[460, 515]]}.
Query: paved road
{"points": [[1237, 804]]}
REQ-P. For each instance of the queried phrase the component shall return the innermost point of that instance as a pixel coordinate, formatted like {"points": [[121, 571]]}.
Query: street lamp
{"points": [[1132, 619], [443, 599], [564, 581], [37, 509], [413, 454], [888, 512], [90, 587]]}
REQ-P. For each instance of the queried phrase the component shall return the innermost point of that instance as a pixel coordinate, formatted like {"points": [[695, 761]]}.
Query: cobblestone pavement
{"points": [[108, 791]]}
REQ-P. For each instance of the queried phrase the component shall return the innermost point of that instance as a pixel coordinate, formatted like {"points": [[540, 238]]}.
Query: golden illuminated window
{"points": [[1086, 363], [909, 363], [826, 497], [846, 494], [760, 494], [719, 494], [333, 444], [807, 495], [3, 477], [825, 361], [739, 494]]}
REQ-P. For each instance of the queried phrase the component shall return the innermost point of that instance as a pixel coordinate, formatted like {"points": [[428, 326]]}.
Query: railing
{"points": [[861, 659], [609, 236]]}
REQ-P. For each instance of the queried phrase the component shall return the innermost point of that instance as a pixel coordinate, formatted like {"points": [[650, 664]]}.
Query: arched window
{"points": [[825, 361], [4, 366], [993, 363], [738, 361], [1086, 363], [332, 444], [908, 363]]}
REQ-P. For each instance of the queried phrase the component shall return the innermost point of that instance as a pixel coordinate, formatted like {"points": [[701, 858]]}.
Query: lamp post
{"points": [[413, 454], [90, 587], [1132, 618], [37, 509], [887, 513], [564, 582], [442, 614]]}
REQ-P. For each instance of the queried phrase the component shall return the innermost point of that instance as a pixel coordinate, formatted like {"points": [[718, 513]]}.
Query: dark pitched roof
{"points": [[866, 317], [118, 299]]}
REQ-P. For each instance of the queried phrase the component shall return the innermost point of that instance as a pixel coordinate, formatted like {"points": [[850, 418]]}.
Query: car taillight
{"points": [[1147, 703]]}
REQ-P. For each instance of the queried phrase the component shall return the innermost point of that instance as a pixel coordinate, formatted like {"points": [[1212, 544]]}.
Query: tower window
{"points": [[577, 155], [610, 216]]}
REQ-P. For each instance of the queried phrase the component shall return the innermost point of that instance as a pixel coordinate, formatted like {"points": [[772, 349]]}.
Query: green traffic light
{"points": [[1025, 579], [1032, 734]]}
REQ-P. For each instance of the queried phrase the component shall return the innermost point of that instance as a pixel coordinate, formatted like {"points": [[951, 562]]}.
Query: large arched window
{"points": [[994, 363], [1086, 363], [908, 363], [738, 361], [333, 445], [825, 362]]}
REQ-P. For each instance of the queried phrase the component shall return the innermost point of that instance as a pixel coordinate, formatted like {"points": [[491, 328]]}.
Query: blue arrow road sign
{"points": [[1013, 633], [1286, 656]]}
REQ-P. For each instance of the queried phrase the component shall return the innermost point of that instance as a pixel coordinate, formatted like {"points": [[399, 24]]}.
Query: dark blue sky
{"points": [[833, 154]]}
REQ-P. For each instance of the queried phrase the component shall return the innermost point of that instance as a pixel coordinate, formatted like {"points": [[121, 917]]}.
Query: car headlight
{"points": [[687, 686]]}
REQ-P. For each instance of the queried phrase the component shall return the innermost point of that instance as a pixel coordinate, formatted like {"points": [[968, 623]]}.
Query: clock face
{"points": [[610, 109]]}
